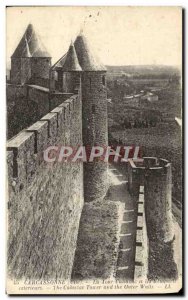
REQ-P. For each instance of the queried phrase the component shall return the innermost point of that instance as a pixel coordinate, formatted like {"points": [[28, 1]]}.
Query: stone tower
{"points": [[69, 74], [21, 63], [158, 212], [94, 117], [30, 61], [158, 200]]}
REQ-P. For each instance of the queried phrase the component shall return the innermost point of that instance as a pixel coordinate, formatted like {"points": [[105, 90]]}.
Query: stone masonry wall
{"points": [[40, 67], [57, 98], [98, 240], [21, 111], [13, 91], [20, 70], [26, 104], [45, 101], [25, 70], [16, 70], [40, 96], [44, 200]]}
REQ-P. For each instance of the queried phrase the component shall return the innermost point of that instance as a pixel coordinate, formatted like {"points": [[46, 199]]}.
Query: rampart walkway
{"points": [[118, 191]]}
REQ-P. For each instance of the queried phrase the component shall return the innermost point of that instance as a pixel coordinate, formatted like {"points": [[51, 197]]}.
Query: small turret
{"points": [[68, 71], [71, 72], [20, 63], [30, 60], [71, 62]]}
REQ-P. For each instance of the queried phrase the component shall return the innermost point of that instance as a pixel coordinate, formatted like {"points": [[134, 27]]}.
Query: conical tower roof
{"points": [[85, 57], [71, 62], [26, 49], [30, 45], [59, 64]]}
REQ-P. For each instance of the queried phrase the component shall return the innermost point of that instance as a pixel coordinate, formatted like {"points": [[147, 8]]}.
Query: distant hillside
{"points": [[138, 71], [144, 71]]}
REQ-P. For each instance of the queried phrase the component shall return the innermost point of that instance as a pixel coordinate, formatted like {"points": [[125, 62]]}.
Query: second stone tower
{"points": [[94, 116]]}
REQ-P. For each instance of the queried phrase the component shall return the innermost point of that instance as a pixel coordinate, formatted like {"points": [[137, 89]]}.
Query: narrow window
{"points": [[90, 83], [104, 80], [93, 109]]}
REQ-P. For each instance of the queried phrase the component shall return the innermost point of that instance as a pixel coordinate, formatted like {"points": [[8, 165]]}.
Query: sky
{"points": [[117, 35]]}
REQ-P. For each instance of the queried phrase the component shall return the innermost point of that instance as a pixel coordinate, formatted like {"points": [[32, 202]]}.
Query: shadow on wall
{"points": [[21, 113], [161, 261]]}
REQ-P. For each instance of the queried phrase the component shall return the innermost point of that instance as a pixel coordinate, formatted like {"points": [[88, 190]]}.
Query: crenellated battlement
{"points": [[25, 149], [42, 195], [150, 184]]}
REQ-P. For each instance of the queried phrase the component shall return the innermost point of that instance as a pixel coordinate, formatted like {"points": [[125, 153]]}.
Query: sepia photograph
{"points": [[94, 173]]}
